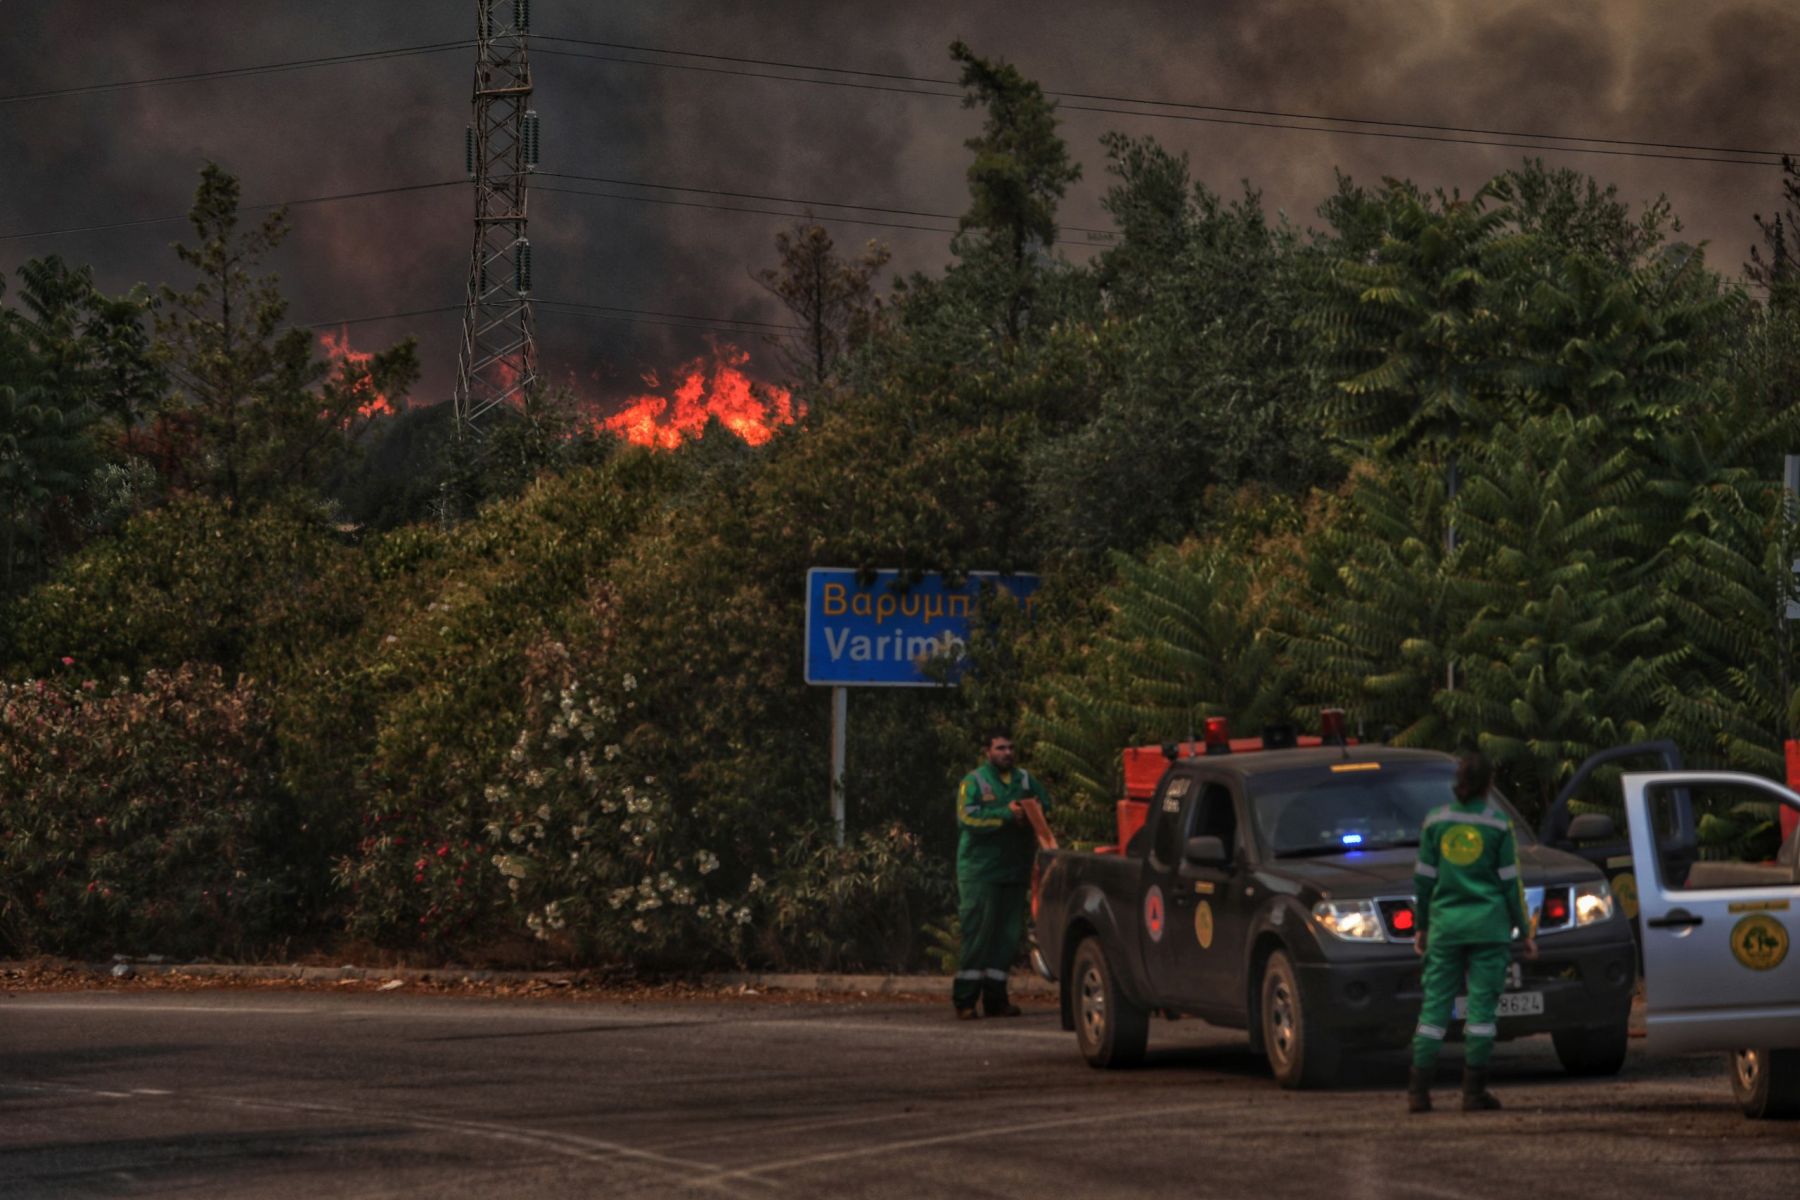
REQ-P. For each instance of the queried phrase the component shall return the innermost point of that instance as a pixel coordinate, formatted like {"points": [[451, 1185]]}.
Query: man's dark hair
{"points": [[995, 731], [1474, 772]]}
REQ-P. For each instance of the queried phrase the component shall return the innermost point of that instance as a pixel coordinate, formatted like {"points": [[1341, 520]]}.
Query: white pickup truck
{"points": [[1717, 929]]}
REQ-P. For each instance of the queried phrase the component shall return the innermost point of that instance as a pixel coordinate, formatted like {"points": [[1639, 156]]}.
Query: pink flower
{"points": [[67, 661]]}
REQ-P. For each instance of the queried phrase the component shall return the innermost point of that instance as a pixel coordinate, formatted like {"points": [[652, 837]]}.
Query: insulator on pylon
{"points": [[522, 15], [481, 288], [531, 138], [522, 266], [469, 151], [484, 18]]}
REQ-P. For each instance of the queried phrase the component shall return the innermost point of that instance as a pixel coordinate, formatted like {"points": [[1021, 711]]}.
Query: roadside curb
{"points": [[1021, 983]]}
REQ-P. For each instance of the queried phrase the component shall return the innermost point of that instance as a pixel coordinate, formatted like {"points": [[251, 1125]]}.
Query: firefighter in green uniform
{"points": [[1469, 901], [993, 872]]}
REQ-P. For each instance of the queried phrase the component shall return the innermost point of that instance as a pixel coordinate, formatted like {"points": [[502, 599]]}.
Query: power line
{"points": [[769, 212], [298, 64], [395, 316], [674, 187], [828, 218], [1648, 148], [262, 207], [604, 312], [640, 316]]}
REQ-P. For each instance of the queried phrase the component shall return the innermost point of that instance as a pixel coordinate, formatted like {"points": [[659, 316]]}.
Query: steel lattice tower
{"points": [[498, 359]]}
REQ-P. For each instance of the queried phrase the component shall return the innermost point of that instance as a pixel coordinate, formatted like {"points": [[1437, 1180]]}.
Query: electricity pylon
{"points": [[498, 360]]}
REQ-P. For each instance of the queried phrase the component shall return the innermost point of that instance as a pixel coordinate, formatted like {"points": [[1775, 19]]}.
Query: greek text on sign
{"points": [[882, 634]]}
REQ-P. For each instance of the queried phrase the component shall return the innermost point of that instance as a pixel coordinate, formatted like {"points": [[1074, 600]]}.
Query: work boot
{"points": [[1004, 1009], [1475, 1096], [1418, 1090], [965, 1014]]}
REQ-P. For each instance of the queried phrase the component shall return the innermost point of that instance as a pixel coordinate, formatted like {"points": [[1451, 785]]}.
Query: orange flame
{"points": [[708, 388], [352, 366]]}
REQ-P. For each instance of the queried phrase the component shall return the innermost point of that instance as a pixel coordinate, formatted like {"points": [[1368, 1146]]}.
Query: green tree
{"points": [[261, 414], [63, 351], [1774, 266], [1187, 633], [1019, 174]]}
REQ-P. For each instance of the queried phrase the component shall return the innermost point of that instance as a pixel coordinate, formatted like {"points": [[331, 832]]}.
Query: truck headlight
{"points": [[1593, 903], [1351, 920]]}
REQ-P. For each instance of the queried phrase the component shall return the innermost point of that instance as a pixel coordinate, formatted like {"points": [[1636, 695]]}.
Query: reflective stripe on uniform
{"points": [[1509, 872], [1425, 869], [993, 973], [1434, 1032], [968, 974], [1454, 817], [1481, 1031]]}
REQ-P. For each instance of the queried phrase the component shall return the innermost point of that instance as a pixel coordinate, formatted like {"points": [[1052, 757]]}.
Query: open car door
{"points": [[1719, 921]]}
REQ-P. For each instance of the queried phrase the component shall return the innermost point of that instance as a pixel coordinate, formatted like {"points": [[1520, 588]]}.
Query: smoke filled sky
{"points": [[684, 111]]}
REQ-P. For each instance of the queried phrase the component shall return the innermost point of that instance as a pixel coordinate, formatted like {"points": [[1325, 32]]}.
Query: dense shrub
{"points": [[865, 904], [188, 583], [141, 820]]}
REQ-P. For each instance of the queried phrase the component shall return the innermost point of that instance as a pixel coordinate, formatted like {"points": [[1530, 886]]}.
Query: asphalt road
{"points": [[304, 1094]]}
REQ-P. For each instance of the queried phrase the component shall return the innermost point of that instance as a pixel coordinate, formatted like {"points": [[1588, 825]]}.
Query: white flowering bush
{"points": [[587, 841]]}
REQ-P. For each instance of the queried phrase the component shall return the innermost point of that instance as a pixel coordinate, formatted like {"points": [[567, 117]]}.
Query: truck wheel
{"points": [[1301, 1053], [1594, 1049], [1110, 1029], [1766, 1082]]}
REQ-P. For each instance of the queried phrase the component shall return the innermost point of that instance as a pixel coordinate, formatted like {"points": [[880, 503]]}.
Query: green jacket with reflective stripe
{"points": [[1466, 884], [995, 848]]}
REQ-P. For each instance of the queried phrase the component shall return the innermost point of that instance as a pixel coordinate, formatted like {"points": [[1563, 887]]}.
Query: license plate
{"points": [[1512, 1004]]}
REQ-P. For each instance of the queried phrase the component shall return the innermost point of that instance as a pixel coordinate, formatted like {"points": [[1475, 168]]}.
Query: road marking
{"points": [[945, 1139], [567, 1145]]}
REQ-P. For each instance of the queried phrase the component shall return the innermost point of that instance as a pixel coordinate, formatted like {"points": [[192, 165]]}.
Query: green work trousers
{"points": [[993, 920], [1483, 964]]}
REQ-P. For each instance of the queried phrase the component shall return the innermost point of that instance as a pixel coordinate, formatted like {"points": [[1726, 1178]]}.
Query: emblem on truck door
{"points": [[1203, 924], [1153, 913], [1759, 942]]}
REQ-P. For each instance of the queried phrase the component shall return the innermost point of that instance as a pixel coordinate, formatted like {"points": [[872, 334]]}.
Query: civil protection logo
{"points": [[1153, 913], [1203, 925], [1461, 844], [1759, 941]]}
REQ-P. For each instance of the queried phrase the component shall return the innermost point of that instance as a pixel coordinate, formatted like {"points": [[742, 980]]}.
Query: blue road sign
{"points": [[880, 635]]}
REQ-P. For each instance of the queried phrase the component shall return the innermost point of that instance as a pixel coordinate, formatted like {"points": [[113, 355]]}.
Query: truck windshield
{"points": [[1318, 810]]}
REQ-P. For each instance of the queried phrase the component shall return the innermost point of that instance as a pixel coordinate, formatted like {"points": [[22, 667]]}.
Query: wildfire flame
{"points": [[708, 388], [352, 366]]}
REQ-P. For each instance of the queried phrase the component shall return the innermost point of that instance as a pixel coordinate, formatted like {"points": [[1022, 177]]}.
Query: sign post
{"points": [[891, 629], [840, 722]]}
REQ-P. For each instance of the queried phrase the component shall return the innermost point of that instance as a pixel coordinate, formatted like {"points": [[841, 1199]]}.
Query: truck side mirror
{"points": [[1206, 852], [1592, 827]]}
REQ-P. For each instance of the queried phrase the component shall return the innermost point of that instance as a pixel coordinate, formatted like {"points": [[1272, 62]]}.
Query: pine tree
{"points": [[833, 298], [1020, 172], [261, 415]]}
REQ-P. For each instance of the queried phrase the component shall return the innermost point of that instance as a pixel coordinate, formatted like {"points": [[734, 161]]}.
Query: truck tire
{"points": [[1766, 1082], [1593, 1049], [1109, 1028], [1301, 1053]]}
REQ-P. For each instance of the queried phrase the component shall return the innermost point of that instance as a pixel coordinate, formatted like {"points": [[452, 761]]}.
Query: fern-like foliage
{"points": [[1187, 636]]}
